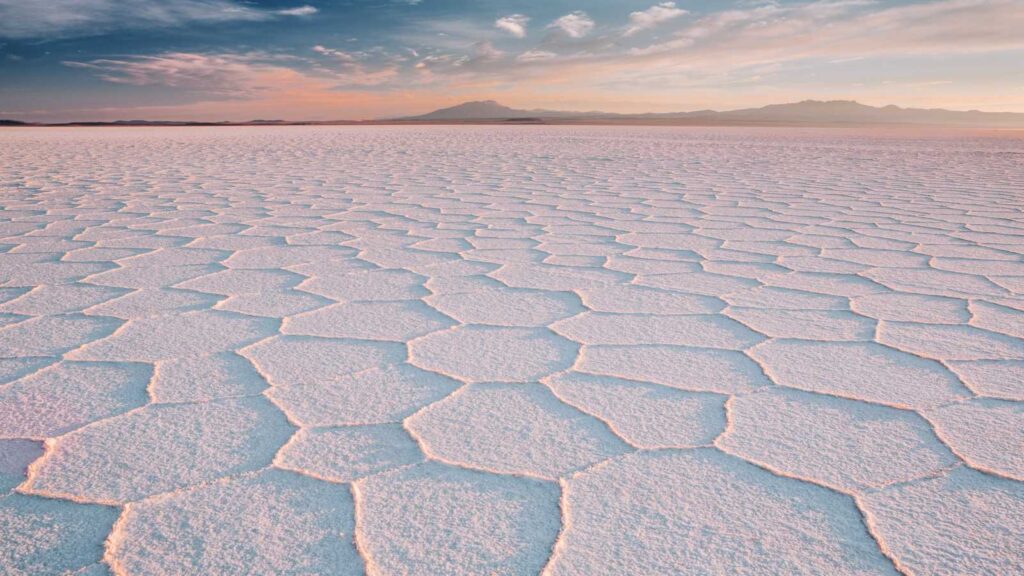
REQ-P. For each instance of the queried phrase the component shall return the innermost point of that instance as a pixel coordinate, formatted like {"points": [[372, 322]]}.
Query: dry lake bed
{"points": [[511, 350]]}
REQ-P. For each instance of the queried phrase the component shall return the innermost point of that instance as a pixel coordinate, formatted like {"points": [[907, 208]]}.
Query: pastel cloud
{"points": [[232, 75], [334, 53], [486, 51], [361, 68], [653, 16], [844, 29], [536, 56], [575, 24], [514, 24], [240, 76]]}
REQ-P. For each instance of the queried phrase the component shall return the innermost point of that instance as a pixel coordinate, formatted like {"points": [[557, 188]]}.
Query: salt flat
{"points": [[511, 350]]}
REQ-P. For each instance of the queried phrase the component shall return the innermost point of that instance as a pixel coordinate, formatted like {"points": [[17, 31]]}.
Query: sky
{"points": [[240, 60]]}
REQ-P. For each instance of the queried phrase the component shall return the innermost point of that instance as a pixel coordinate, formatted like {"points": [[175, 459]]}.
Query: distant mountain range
{"points": [[806, 113]]}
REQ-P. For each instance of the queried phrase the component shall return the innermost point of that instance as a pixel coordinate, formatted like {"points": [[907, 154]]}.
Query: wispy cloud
{"points": [[241, 76], [334, 53], [233, 75], [485, 51], [653, 16], [844, 29], [575, 24], [536, 56], [242, 86], [514, 24], [61, 18], [306, 10], [358, 68]]}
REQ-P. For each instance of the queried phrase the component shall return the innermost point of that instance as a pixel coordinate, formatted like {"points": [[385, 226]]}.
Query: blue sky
{"points": [[312, 59]]}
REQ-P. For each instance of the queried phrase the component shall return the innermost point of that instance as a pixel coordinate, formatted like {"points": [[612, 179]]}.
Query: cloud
{"points": [[306, 10], [350, 68], [575, 25], [231, 75], [20, 19], [514, 24], [339, 54], [653, 16], [536, 56], [843, 29], [486, 51], [238, 76]]}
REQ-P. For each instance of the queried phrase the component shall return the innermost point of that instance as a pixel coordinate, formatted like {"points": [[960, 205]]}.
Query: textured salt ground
{"points": [[484, 350]]}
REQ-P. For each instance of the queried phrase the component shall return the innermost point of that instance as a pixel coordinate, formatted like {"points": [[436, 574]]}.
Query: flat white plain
{"points": [[511, 350]]}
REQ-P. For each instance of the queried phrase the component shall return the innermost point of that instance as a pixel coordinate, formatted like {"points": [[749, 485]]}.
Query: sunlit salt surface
{"points": [[507, 350]]}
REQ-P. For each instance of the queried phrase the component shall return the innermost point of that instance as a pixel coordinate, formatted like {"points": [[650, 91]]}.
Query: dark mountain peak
{"points": [[475, 110], [820, 105]]}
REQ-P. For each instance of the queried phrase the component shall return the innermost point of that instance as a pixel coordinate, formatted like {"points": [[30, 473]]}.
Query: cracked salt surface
{"points": [[487, 350]]}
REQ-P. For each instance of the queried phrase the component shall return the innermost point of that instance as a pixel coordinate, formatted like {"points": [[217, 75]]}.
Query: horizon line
{"points": [[569, 116]]}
